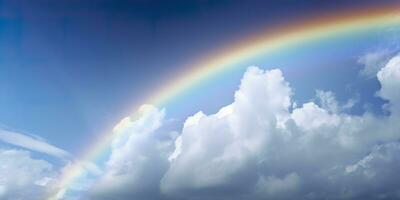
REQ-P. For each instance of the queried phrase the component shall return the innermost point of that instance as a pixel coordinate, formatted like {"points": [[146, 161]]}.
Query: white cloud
{"points": [[138, 160], [389, 77], [23, 177], [327, 100], [230, 141], [32, 143], [178, 149], [311, 117], [374, 61], [21, 158], [256, 142], [261, 146]]}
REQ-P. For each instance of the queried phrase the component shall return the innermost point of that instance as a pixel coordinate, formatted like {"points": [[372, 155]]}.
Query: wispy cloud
{"points": [[32, 143], [374, 61]]}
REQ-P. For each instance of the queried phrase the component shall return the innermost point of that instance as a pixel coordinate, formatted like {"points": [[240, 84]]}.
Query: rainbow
{"points": [[268, 41]]}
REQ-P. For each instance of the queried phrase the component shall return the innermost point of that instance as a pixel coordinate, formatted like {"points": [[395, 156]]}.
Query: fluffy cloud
{"points": [[139, 158], [389, 77], [259, 147], [23, 177], [231, 141]]}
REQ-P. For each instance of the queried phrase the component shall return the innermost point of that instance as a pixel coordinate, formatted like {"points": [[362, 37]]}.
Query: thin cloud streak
{"points": [[31, 143]]}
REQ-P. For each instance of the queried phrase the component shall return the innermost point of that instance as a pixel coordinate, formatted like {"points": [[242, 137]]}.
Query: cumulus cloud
{"points": [[262, 147], [23, 177], [389, 77], [32, 143], [139, 158], [230, 141]]}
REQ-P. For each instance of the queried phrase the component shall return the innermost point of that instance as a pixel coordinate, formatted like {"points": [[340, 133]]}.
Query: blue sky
{"points": [[71, 70]]}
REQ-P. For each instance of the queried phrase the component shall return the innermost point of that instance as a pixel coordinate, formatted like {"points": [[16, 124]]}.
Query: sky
{"points": [[74, 71]]}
